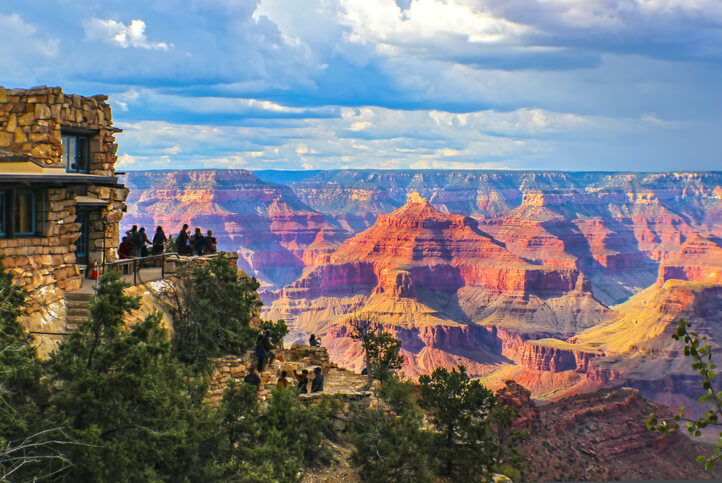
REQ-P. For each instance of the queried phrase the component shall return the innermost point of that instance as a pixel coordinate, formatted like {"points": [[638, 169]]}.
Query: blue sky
{"points": [[321, 84]]}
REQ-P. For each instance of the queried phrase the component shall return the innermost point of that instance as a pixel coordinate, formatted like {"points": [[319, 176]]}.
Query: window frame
{"points": [[9, 209], [75, 139]]}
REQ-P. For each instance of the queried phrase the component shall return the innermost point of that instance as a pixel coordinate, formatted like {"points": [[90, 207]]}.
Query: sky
{"points": [[435, 84]]}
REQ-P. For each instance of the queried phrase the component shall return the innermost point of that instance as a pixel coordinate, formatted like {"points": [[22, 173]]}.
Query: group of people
{"points": [[265, 356], [135, 243], [196, 244], [283, 382]]}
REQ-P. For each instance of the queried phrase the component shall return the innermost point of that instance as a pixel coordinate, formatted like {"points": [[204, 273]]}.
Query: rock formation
{"points": [[602, 436], [442, 286]]}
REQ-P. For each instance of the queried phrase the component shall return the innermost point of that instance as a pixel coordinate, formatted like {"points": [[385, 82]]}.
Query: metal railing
{"points": [[135, 264]]}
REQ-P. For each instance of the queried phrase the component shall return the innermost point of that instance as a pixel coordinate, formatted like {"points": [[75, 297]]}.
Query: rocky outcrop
{"points": [[698, 260], [602, 436], [555, 356]]}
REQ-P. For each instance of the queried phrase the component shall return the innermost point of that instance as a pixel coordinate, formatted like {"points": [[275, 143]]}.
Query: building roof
{"points": [[22, 170]]}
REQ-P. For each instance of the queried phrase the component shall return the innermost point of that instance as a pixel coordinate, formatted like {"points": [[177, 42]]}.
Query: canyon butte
{"points": [[564, 282]]}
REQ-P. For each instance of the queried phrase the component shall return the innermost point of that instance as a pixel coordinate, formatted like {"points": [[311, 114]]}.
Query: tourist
{"points": [[313, 341], [260, 353], [267, 346], [133, 239], [211, 246], [182, 241], [125, 249], [143, 241], [159, 241], [317, 382], [282, 381], [302, 381], [198, 242], [252, 378]]}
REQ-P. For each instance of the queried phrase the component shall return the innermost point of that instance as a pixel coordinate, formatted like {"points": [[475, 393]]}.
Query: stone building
{"points": [[60, 201]]}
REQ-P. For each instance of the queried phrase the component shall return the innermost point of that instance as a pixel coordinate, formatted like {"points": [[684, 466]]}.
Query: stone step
{"points": [[78, 312], [74, 320], [79, 296], [72, 304]]}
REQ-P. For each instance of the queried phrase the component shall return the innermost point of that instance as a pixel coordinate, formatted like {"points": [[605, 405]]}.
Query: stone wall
{"points": [[47, 261], [235, 368], [108, 238], [31, 122], [44, 266]]}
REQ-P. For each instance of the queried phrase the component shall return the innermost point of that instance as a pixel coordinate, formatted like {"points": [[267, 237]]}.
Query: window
{"points": [[75, 153], [22, 213]]}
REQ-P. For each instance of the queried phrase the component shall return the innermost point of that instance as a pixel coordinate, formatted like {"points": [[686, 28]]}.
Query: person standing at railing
{"points": [[143, 242], [134, 242], [211, 246], [159, 241], [182, 241], [198, 242]]}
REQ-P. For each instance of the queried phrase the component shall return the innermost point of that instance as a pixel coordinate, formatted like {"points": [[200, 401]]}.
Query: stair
{"points": [[76, 309]]}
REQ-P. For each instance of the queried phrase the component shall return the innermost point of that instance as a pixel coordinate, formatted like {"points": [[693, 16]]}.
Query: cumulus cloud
{"points": [[117, 33]]}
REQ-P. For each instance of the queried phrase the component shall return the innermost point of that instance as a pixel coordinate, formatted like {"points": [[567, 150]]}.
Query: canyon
{"points": [[565, 282]]}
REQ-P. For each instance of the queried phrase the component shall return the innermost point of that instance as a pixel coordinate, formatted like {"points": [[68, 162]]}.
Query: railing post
{"points": [[162, 266], [135, 271]]}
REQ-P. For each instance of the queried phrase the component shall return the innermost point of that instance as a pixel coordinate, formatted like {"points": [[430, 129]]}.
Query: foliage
{"points": [[271, 443], [508, 460], [171, 246], [121, 392], [278, 330], [29, 448], [397, 394], [212, 307], [390, 448], [701, 355], [115, 403], [460, 410], [381, 349]]}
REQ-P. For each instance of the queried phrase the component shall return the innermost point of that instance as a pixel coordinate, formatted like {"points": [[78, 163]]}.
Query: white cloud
{"points": [[117, 33], [367, 136], [387, 26]]}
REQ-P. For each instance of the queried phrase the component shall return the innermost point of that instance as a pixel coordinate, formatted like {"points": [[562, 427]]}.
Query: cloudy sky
{"points": [[319, 84]]}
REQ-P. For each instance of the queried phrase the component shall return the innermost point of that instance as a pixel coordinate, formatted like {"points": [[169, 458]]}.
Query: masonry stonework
{"points": [[31, 121]]}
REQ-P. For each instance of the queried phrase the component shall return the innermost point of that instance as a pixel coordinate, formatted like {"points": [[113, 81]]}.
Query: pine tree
{"points": [[133, 405], [30, 446], [212, 308], [460, 408], [381, 349]]}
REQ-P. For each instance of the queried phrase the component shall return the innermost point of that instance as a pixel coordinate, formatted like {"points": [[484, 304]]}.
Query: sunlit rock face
{"points": [[698, 260], [274, 233], [448, 290]]}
